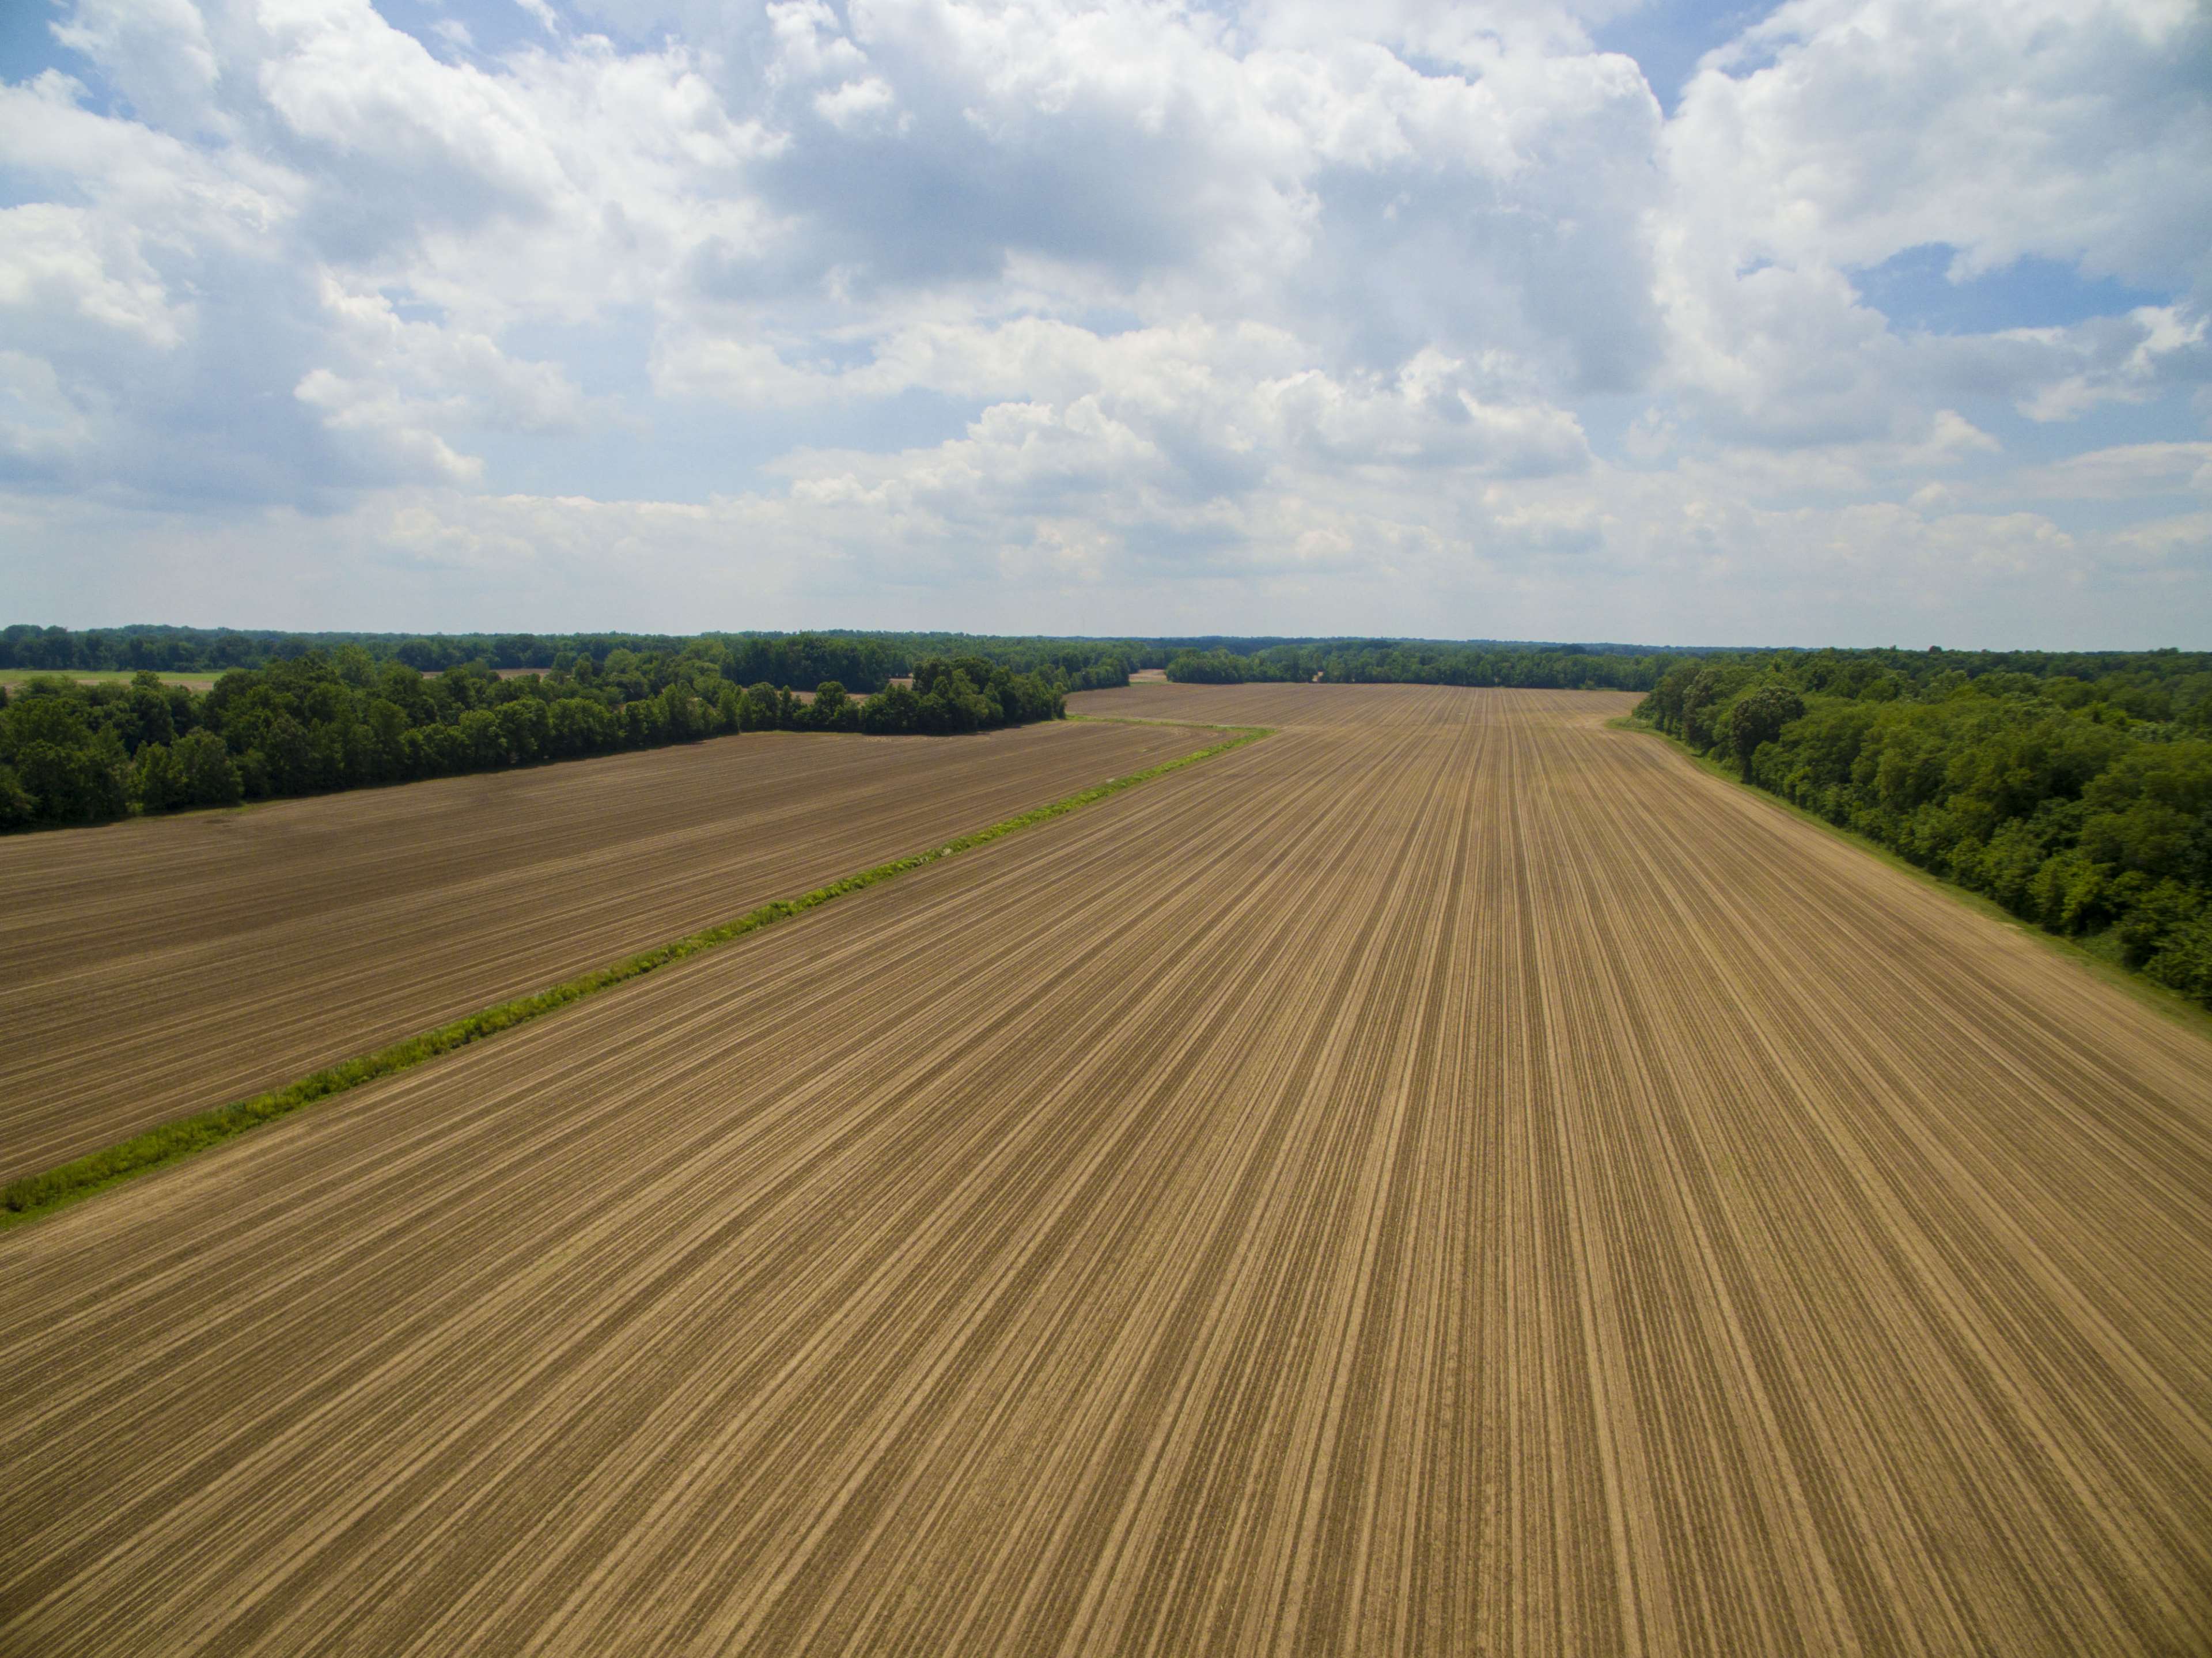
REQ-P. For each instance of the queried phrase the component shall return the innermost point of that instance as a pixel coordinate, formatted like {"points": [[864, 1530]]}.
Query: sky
{"points": [[1841, 322]]}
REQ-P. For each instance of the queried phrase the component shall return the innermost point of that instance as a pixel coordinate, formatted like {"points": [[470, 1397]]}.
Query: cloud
{"points": [[156, 53], [1416, 316], [2127, 472], [61, 262], [464, 367], [2124, 360], [1835, 134], [1843, 130], [390, 431]]}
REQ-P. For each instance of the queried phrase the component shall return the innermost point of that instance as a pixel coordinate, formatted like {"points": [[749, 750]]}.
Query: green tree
{"points": [[483, 745], [71, 785], [210, 775], [525, 729], [1708, 688], [758, 713], [2183, 960], [833, 709], [157, 781], [17, 807], [289, 756], [1759, 717], [894, 711]]}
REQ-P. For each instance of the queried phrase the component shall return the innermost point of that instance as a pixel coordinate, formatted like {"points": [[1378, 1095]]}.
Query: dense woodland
{"points": [[2074, 790], [864, 662], [76, 753], [1418, 662]]}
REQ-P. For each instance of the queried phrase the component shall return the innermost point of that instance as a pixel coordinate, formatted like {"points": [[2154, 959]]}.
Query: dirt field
{"points": [[1466, 1181], [12, 678], [159, 967], [1299, 705]]}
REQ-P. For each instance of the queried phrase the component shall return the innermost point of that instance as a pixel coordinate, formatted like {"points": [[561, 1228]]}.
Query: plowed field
{"points": [[1450, 1178], [157, 968]]}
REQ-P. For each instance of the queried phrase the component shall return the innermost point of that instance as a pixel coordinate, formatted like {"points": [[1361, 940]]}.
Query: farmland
{"points": [[159, 967], [1450, 1178], [11, 678]]}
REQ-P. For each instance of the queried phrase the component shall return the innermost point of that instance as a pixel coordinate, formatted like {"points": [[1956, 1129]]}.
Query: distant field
{"points": [[1448, 1178], [1304, 705], [157, 967], [199, 682]]}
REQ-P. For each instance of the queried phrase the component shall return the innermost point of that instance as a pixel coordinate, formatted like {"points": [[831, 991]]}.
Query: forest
{"points": [[2074, 790], [76, 753], [1419, 662], [864, 662]]}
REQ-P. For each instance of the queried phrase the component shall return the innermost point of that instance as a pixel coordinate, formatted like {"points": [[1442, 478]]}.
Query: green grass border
{"points": [[33, 1197], [2156, 997]]}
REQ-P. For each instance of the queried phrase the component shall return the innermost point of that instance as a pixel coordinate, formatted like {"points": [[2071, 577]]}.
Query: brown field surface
{"points": [[159, 967], [12, 678], [1305, 705], [1450, 1178]]}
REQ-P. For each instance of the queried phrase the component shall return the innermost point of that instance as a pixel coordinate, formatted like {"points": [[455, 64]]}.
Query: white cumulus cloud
{"points": [[1127, 314]]}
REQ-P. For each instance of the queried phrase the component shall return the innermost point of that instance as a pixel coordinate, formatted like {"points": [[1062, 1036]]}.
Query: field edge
{"points": [[2172, 1004], [33, 1197]]}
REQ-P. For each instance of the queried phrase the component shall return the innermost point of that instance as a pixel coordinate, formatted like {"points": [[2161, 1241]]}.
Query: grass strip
{"points": [[34, 1196], [2151, 994]]}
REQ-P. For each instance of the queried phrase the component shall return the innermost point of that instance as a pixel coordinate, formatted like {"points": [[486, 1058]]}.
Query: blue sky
{"points": [[1849, 321]]}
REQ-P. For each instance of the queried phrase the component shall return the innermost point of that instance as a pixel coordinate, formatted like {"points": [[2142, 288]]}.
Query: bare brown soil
{"points": [[12, 678], [1311, 706], [1450, 1178], [157, 968]]}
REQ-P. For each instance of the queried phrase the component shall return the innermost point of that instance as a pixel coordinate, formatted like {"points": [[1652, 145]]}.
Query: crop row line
{"points": [[2107, 969], [34, 1196]]}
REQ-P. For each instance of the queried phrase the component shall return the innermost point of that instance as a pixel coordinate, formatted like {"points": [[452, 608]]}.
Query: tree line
{"points": [[861, 661], [864, 662], [76, 753], [2075, 790], [1414, 662]]}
